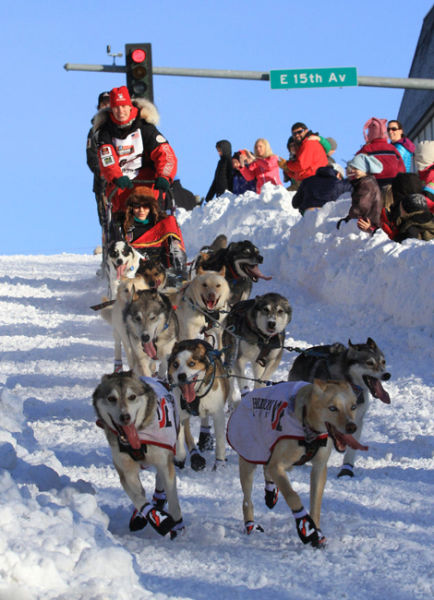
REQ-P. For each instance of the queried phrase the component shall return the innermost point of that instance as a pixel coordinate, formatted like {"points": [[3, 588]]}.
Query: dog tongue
{"points": [[120, 270], [132, 435], [379, 392], [350, 441], [257, 273], [188, 392], [150, 350]]}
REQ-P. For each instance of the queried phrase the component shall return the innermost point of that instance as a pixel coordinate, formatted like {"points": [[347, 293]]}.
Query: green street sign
{"points": [[309, 78]]}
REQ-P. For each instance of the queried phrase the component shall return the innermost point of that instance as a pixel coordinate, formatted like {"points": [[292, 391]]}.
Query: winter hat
{"points": [[366, 163], [103, 97], [120, 97], [377, 128], [142, 194], [424, 155], [414, 202], [333, 143]]}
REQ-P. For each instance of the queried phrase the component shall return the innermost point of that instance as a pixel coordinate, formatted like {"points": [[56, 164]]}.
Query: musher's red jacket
{"points": [[137, 149]]}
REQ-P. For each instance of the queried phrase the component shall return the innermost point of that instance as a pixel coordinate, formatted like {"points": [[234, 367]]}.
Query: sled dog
{"points": [[122, 261], [362, 365], [202, 304], [140, 423], [241, 261], [154, 273], [288, 424], [200, 388], [255, 333]]}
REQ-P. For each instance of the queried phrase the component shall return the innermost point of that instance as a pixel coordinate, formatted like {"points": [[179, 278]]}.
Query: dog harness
{"points": [[265, 416], [163, 429]]}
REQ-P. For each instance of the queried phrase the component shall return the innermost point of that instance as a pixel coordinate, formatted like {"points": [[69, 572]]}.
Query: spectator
{"points": [[325, 186], [130, 147], [262, 166], [403, 185], [223, 177], [378, 146], [240, 184], [366, 199], [424, 161], [93, 164], [309, 154], [398, 139], [417, 222]]}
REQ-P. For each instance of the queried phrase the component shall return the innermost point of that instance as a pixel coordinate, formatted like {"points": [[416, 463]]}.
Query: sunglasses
{"points": [[297, 131], [135, 205], [393, 129]]}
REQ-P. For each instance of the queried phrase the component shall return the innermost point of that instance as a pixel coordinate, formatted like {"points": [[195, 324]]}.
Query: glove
{"points": [[123, 182], [162, 184]]}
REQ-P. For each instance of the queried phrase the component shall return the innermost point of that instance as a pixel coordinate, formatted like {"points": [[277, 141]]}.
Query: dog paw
{"points": [[321, 543], [250, 527], [205, 442], [271, 497], [197, 462], [160, 520], [177, 530], [220, 463], [346, 471], [137, 521], [179, 463]]}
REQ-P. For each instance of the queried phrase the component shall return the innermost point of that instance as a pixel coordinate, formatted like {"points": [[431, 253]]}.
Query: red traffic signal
{"points": [[138, 55]]}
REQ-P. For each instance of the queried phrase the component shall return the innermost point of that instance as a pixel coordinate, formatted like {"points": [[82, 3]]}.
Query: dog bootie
{"points": [[219, 464], [347, 470], [159, 499], [197, 461], [250, 527], [118, 367], [271, 494], [206, 441], [177, 530], [306, 528], [137, 521], [160, 520]]}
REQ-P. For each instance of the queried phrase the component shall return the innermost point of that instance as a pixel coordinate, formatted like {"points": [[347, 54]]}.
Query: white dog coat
{"points": [[263, 417], [163, 430]]}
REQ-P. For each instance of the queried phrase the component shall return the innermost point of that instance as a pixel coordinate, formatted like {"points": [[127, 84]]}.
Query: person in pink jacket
{"points": [[262, 166]]}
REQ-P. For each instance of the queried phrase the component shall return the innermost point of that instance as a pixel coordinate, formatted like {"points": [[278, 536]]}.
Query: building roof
{"points": [[417, 106]]}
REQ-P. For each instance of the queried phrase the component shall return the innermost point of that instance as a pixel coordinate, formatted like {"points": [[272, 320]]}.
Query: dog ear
{"points": [[200, 271], [222, 271], [350, 344], [370, 342]]}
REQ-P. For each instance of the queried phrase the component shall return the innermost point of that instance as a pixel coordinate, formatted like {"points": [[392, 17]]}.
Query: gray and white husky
{"points": [[151, 329], [254, 332], [362, 365], [140, 422]]}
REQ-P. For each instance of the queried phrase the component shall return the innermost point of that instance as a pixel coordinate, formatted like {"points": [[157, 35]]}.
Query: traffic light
{"points": [[138, 58]]}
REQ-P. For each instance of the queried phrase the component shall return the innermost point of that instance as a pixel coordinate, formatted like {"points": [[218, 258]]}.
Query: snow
{"points": [[63, 514]]}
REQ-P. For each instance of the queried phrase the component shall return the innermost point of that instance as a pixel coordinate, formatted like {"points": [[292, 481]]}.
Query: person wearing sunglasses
{"points": [[155, 234], [398, 139], [310, 154]]}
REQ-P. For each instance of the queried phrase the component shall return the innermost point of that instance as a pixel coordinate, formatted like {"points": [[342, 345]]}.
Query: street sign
{"points": [[309, 78]]}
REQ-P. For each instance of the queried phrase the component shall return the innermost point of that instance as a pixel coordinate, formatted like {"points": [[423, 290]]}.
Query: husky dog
{"points": [[154, 273], [201, 304], [362, 365], [140, 423], [241, 260], [122, 260], [196, 372], [151, 328], [255, 332], [289, 424]]}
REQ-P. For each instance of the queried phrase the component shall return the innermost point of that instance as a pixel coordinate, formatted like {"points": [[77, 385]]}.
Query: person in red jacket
{"points": [[130, 147], [310, 154], [375, 134], [262, 166]]}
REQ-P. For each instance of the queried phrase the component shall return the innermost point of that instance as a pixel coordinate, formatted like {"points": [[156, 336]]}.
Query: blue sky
{"points": [[48, 204]]}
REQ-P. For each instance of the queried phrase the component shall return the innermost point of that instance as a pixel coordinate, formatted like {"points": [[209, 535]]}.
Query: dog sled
{"points": [[164, 241]]}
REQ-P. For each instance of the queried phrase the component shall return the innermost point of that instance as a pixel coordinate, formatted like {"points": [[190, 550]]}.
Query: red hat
{"points": [[120, 97]]}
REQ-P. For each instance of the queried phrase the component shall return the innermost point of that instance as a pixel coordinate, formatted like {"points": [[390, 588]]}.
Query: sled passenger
{"points": [[131, 148], [155, 234]]}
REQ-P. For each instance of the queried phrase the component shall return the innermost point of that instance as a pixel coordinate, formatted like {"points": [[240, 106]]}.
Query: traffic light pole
{"points": [[386, 82]]}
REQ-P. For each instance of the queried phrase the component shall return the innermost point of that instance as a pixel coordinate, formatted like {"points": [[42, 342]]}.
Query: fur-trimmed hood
{"points": [[147, 111]]}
